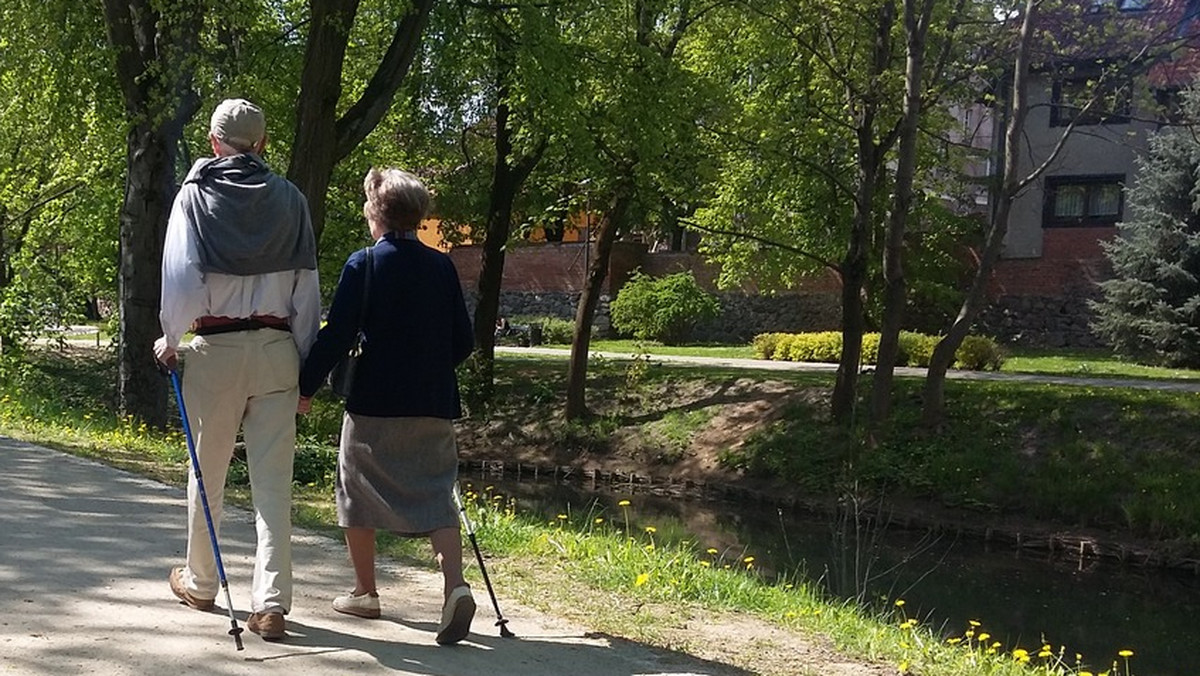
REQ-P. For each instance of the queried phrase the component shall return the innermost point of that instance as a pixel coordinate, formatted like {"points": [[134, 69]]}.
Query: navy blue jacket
{"points": [[416, 331]]}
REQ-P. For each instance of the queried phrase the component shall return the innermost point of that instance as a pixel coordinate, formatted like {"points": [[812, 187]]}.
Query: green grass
{"points": [[632, 347], [1092, 363], [1122, 459], [1087, 363]]}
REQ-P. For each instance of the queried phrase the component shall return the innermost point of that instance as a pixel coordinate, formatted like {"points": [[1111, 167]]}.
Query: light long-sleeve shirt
{"points": [[188, 293]]}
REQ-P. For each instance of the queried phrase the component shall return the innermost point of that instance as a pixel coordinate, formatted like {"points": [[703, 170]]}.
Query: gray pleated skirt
{"points": [[397, 474]]}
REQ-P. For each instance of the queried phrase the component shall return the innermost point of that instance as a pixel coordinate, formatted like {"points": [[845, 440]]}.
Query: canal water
{"points": [[1090, 607]]}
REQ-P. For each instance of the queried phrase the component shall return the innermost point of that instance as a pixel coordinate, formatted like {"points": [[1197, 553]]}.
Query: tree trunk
{"points": [[314, 146], [854, 264], [895, 294], [934, 406], [149, 192], [507, 178], [321, 138], [495, 241], [585, 312], [156, 57]]}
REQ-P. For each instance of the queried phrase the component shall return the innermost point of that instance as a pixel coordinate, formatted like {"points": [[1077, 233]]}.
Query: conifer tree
{"points": [[1150, 310]]}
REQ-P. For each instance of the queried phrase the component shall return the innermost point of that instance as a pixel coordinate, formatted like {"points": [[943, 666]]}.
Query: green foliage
{"points": [[916, 349], [555, 330], [664, 309], [977, 353], [1151, 306]]}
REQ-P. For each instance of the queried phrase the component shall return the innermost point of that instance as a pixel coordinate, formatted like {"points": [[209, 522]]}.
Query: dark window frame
{"points": [[1089, 183], [1062, 113]]}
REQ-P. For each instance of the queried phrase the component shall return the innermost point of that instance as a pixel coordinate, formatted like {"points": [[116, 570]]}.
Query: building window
{"points": [[1071, 95], [1170, 105], [1095, 6], [1083, 201]]}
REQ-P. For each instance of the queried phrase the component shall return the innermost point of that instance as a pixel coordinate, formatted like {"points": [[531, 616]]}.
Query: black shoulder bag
{"points": [[342, 376]]}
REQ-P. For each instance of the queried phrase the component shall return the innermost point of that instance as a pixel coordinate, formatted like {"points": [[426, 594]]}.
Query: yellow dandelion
{"points": [[973, 623], [562, 517], [642, 578], [748, 559], [706, 564], [1126, 653], [984, 636], [1020, 652], [711, 551], [954, 641], [651, 529], [899, 603], [623, 503], [599, 519], [649, 547]]}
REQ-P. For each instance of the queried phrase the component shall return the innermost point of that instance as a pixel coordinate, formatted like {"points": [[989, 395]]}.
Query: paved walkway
{"points": [[84, 554], [903, 371]]}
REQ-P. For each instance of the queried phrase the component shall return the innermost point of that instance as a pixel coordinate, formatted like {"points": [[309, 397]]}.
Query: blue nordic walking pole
{"points": [[234, 630]]}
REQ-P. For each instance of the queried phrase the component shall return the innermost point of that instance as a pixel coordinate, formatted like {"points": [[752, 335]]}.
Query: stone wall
{"points": [[742, 317], [1039, 321], [1034, 302]]}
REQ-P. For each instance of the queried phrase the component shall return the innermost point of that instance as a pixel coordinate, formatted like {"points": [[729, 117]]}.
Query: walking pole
{"points": [[234, 630], [462, 512]]}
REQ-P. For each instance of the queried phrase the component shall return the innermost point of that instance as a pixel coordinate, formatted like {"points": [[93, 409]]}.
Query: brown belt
{"points": [[207, 326]]}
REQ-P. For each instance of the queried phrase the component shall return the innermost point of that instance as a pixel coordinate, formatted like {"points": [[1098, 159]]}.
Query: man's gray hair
{"points": [[396, 199]]}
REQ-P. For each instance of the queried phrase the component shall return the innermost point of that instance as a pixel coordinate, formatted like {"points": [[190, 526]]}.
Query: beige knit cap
{"points": [[238, 123]]}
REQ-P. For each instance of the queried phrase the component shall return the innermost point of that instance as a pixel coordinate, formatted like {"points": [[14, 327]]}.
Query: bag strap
{"points": [[366, 297]]}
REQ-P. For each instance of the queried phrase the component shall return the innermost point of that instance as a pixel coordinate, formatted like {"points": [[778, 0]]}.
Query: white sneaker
{"points": [[456, 616], [363, 605]]}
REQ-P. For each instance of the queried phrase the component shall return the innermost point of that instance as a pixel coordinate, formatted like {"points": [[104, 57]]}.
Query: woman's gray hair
{"points": [[396, 199]]}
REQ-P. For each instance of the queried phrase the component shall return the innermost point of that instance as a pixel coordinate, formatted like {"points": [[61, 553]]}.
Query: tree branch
{"points": [[762, 240], [376, 99]]}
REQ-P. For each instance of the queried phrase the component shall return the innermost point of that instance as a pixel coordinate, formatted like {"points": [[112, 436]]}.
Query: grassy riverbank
{"points": [[1084, 455]]}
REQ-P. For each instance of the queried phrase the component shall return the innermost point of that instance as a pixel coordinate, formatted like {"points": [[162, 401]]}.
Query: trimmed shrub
{"points": [[977, 353], [917, 348], [764, 344], [665, 309]]}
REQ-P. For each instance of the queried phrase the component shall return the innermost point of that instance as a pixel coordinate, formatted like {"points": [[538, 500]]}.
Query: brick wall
{"points": [[1045, 301], [548, 267], [1039, 301], [1072, 263]]}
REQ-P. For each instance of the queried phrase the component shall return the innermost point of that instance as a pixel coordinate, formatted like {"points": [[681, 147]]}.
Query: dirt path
{"points": [[84, 552]]}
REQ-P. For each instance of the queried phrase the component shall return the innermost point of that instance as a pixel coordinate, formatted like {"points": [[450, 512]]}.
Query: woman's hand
{"points": [[304, 405]]}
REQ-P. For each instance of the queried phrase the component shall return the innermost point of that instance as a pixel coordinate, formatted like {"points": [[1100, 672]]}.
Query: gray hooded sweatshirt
{"points": [[247, 220]]}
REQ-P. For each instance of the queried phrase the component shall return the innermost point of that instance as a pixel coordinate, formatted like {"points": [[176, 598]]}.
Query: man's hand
{"points": [[165, 354], [304, 405]]}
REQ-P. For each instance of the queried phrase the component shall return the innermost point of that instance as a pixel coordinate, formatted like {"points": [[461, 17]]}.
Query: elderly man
{"points": [[239, 271]]}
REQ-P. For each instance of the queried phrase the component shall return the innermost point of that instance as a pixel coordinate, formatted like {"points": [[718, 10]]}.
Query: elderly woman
{"points": [[398, 461]]}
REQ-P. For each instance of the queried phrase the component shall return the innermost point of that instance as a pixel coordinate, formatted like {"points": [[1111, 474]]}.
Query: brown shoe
{"points": [[180, 590], [270, 626]]}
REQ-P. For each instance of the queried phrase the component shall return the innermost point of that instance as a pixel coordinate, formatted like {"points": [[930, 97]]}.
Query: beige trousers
{"points": [[247, 380]]}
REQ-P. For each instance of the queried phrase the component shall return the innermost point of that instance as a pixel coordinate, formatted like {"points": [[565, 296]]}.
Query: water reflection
{"points": [[1021, 599]]}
